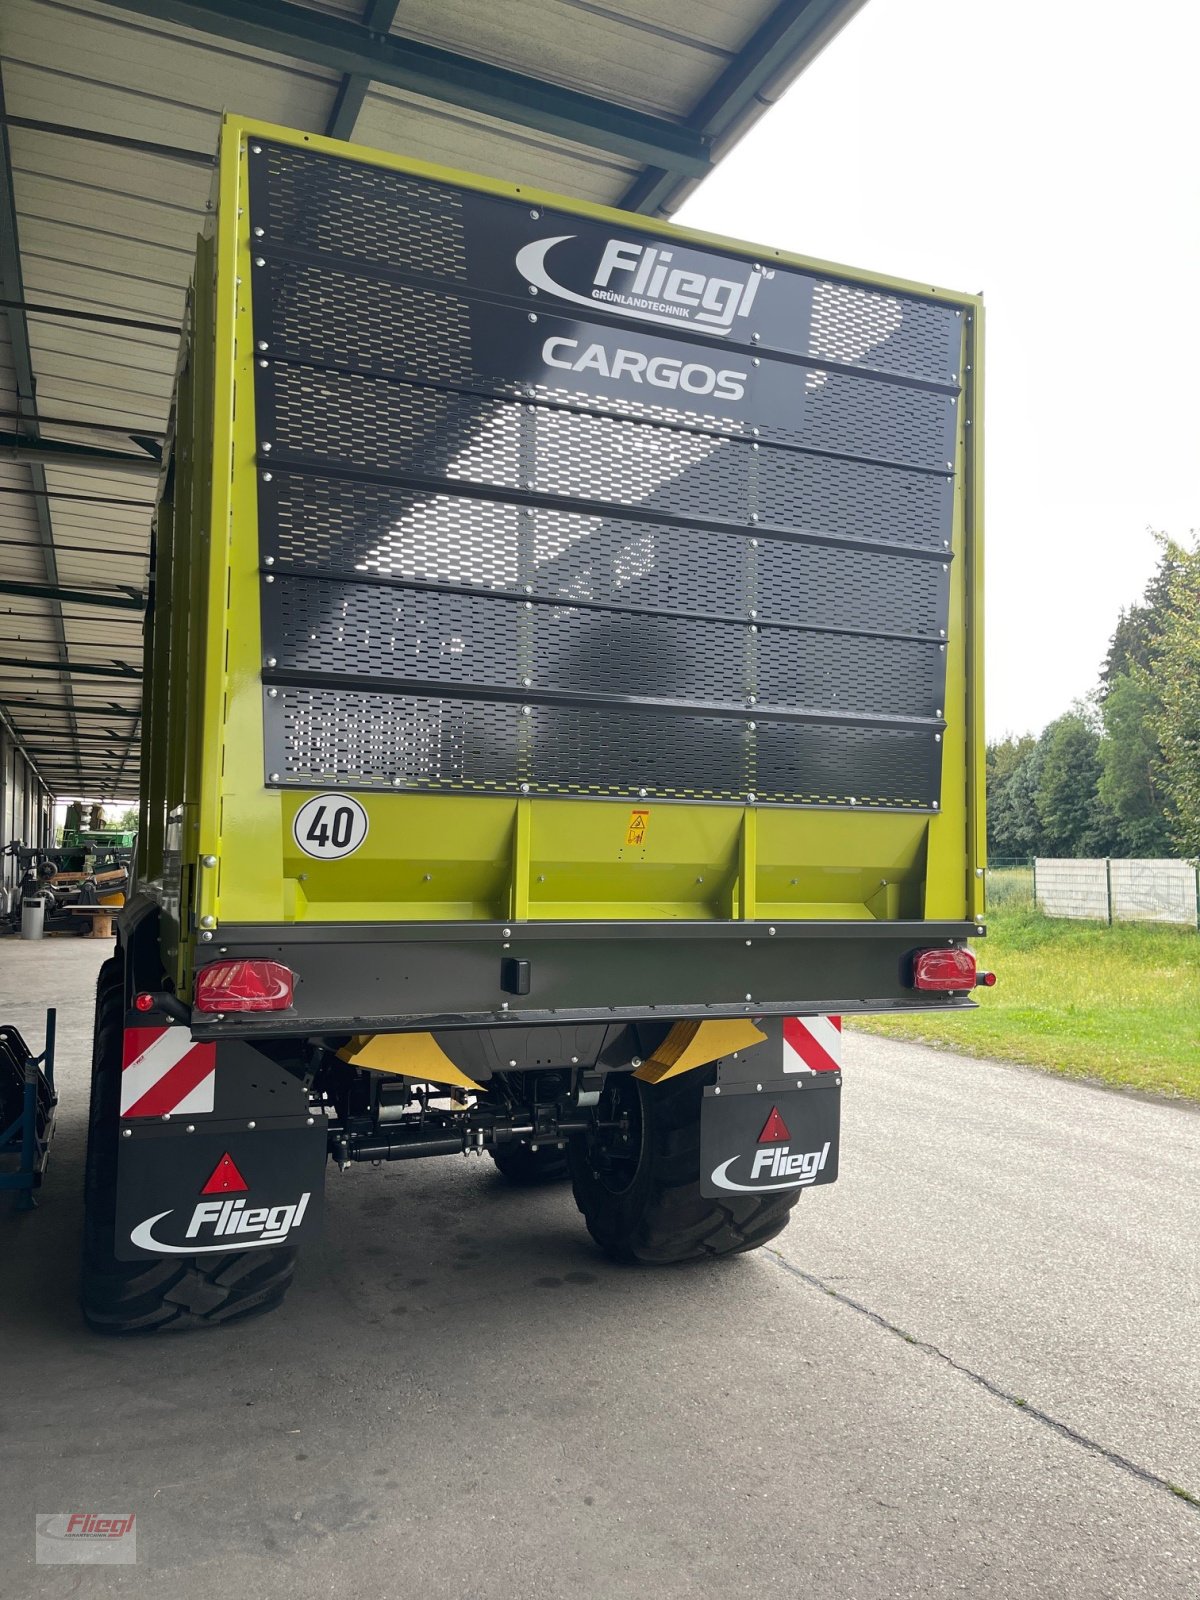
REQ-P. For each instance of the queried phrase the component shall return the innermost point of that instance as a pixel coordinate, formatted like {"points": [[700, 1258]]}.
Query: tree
{"points": [[1014, 829], [1131, 764], [1134, 643], [1075, 821], [1177, 679]]}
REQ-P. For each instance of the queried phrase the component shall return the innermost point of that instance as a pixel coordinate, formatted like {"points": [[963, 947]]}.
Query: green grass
{"points": [[1118, 1004]]}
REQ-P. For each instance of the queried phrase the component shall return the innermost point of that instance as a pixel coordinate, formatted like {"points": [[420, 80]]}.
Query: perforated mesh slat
{"points": [[357, 630], [352, 210], [415, 432], [323, 737]]}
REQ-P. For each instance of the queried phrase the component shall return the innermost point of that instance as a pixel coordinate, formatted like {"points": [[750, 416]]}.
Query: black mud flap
{"points": [[207, 1192], [780, 1135]]}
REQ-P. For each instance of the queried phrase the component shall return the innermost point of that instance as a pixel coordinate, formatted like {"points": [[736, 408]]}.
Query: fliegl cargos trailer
{"points": [[562, 708]]}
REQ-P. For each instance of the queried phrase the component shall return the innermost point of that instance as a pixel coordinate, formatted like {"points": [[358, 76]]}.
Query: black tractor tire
{"points": [[175, 1292], [646, 1205], [526, 1167]]}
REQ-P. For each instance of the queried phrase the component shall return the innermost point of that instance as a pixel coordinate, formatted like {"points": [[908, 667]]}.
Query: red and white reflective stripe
{"points": [[812, 1044], [163, 1071]]}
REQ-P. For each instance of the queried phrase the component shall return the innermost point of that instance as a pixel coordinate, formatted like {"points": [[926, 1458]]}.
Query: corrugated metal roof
{"points": [[110, 115]]}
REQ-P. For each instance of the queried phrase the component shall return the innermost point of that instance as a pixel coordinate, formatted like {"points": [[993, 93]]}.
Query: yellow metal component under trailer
{"points": [[564, 702]]}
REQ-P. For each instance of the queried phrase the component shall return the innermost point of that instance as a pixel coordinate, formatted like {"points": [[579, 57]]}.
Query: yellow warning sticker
{"points": [[639, 821]]}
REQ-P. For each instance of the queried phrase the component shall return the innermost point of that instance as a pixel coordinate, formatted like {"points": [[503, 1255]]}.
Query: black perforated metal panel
{"points": [[552, 509]]}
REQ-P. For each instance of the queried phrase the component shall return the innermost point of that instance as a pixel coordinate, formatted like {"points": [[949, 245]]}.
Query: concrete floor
{"points": [[461, 1398]]}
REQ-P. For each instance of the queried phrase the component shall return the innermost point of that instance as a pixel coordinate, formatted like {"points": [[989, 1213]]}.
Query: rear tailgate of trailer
{"points": [[582, 573]]}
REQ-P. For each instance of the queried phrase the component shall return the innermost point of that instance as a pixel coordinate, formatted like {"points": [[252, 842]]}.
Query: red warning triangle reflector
{"points": [[774, 1129], [226, 1179]]}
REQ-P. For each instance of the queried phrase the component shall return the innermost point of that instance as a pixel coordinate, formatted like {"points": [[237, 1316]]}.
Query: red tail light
{"points": [[943, 969], [243, 986]]}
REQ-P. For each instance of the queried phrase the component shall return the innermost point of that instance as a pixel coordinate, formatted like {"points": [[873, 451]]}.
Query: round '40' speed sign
{"points": [[330, 826]]}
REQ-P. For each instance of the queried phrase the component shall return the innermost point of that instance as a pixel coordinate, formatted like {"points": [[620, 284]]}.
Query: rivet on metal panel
{"points": [[937, 738], [749, 997], [504, 1005], [526, 711], [208, 922], [642, 794], [771, 931], [524, 788], [260, 261], [755, 337], [265, 446], [535, 215], [256, 149], [699, 880], [252, 1124], [751, 699], [751, 797], [258, 233], [127, 1133], [935, 805], [756, 361], [262, 344], [527, 682], [267, 476], [533, 316], [752, 726], [532, 290], [264, 363], [191, 1128], [754, 544], [508, 933], [208, 861], [166, 1116], [749, 942], [397, 783], [274, 777], [205, 937]]}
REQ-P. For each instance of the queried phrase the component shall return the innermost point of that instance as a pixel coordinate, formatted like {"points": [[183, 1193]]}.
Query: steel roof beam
{"points": [[39, 453], [113, 711], [128, 599], [794, 33], [88, 669], [349, 47], [352, 91]]}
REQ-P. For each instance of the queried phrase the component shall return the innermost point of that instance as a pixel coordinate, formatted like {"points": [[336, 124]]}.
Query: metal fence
{"points": [[1111, 890]]}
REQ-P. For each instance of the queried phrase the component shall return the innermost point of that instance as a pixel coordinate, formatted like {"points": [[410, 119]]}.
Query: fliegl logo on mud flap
{"points": [[773, 1165], [220, 1225], [643, 281]]}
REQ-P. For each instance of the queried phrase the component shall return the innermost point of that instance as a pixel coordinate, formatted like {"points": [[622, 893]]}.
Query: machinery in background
{"points": [[28, 1103], [81, 884]]}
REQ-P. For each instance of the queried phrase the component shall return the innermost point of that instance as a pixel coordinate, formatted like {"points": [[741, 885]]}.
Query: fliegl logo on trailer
{"points": [[639, 280], [774, 1164], [220, 1223]]}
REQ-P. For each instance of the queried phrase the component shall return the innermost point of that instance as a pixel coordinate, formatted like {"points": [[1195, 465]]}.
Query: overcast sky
{"points": [[1045, 153]]}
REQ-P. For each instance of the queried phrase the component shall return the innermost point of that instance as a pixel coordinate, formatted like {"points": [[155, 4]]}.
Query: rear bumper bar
{"points": [[380, 978]]}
